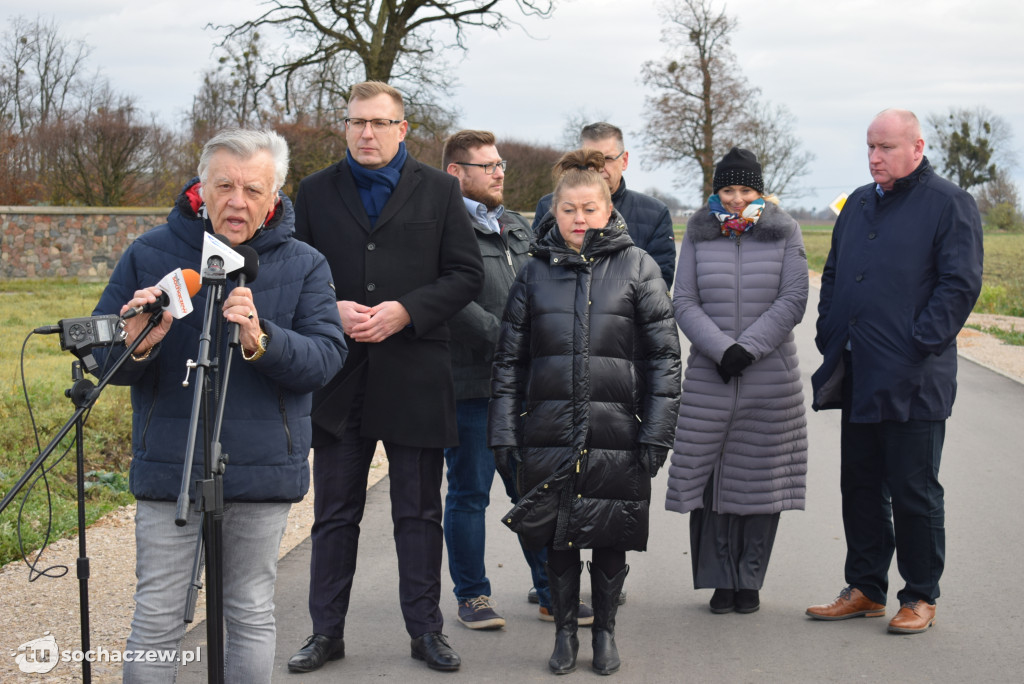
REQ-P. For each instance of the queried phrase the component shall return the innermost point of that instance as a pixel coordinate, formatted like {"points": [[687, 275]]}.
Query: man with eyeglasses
{"points": [[400, 245], [504, 240], [647, 219]]}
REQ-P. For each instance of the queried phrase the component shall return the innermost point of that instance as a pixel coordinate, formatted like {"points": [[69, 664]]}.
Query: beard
{"points": [[491, 199]]}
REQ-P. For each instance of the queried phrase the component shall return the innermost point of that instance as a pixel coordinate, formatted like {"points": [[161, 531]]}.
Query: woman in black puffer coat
{"points": [[585, 389]]}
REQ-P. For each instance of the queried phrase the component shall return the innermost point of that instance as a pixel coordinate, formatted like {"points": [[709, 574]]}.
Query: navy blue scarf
{"points": [[376, 185]]}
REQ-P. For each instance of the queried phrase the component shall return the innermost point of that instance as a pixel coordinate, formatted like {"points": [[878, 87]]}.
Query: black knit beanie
{"points": [[738, 167]]}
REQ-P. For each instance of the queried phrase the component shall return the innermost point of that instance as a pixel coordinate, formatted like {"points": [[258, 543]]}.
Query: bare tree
{"points": [[69, 137], [703, 105], [40, 69], [768, 133], [972, 143], [104, 157], [233, 93], [237, 92], [697, 110], [574, 122], [311, 147], [1000, 190], [999, 203], [318, 97], [395, 41], [40, 78], [58, 64]]}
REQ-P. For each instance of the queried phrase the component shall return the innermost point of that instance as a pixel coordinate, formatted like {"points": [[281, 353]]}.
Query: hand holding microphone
{"points": [[172, 296], [239, 307], [174, 293]]}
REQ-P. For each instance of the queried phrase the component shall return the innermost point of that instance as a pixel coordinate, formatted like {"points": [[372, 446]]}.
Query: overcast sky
{"points": [[834, 65]]}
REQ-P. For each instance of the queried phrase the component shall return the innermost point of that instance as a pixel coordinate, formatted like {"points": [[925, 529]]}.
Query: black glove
{"points": [[652, 458], [734, 361], [504, 456]]}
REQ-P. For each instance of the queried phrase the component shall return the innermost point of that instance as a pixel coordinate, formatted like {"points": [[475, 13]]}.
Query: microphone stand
{"points": [[209, 491], [83, 395]]}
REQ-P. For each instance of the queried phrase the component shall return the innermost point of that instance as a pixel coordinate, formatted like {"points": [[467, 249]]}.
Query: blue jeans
{"points": [[163, 565], [470, 474]]}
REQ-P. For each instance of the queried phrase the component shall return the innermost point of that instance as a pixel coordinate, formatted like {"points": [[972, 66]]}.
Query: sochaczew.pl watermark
{"points": [[41, 655]]}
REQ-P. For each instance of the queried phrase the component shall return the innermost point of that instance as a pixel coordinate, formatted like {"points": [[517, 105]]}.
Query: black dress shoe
{"points": [[747, 601], [433, 649], [317, 650]]}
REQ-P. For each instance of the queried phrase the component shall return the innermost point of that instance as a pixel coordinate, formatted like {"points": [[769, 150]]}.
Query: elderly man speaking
{"points": [[291, 343]]}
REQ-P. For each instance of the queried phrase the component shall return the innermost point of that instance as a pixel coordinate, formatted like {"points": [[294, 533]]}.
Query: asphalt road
{"points": [[665, 632]]}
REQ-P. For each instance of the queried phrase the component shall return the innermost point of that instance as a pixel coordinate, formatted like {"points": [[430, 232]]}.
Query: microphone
{"points": [[177, 289], [248, 271], [218, 256], [246, 274]]}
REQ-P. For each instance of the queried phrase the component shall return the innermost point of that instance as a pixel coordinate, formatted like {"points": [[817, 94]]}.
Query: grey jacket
{"points": [[751, 433], [475, 329]]}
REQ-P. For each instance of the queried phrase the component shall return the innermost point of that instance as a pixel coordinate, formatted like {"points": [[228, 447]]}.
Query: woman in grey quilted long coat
{"points": [[740, 452]]}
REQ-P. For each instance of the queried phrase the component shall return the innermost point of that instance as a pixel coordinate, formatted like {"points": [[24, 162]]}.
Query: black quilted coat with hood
{"points": [[586, 373]]}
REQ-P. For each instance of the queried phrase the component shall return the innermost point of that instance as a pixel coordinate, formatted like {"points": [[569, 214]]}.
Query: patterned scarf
{"points": [[734, 225]]}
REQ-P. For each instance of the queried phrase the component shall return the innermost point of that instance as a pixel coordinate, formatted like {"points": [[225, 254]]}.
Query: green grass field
{"points": [[1002, 285], [1002, 290], [25, 305], [817, 240]]}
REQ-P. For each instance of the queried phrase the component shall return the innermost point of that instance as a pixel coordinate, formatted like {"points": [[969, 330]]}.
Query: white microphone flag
{"points": [[179, 302], [212, 246]]}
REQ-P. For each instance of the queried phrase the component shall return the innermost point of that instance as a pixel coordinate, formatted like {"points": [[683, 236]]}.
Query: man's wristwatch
{"points": [[260, 349]]}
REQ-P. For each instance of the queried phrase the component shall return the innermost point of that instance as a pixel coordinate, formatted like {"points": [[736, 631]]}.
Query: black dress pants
{"points": [[893, 502], [339, 480]]}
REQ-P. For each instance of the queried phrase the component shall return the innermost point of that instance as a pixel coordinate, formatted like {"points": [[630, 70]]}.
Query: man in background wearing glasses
{"points": [[504, 240], [401, 248], [647, 219]]}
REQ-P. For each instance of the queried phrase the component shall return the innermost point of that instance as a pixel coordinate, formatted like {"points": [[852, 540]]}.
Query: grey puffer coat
{"points": [[749, 433], [586, 372]]}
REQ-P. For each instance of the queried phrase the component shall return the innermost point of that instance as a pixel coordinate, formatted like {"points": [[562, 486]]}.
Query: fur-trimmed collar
{"points": [[774, 224]]}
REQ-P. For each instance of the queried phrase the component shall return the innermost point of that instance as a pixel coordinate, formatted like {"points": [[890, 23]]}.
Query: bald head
{"points": [[895, 146], [903, 118]]}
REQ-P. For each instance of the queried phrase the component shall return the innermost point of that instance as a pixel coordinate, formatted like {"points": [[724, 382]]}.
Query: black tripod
{"points": [[83, 395], [209, 492]]}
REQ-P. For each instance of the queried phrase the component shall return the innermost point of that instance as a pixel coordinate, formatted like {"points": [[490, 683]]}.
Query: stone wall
{"points": [[69, 242]]}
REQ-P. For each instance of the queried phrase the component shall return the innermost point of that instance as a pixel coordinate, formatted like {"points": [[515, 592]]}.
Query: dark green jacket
{"points": [[475, 328]]}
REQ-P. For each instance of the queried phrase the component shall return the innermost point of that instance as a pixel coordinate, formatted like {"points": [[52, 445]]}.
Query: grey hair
{"points": [[602, 130], [245, 143]]}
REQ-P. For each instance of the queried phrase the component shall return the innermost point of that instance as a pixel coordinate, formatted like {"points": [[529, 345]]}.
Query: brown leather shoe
{"points": [[850, 603], [914, 617]]}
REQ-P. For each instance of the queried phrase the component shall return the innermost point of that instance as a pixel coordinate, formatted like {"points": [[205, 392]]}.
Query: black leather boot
{"points": [[565, 600], [605, 596]]}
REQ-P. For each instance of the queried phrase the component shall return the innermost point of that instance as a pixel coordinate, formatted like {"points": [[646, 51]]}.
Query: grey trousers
{"points": [[730, 551], [164, 551]]}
